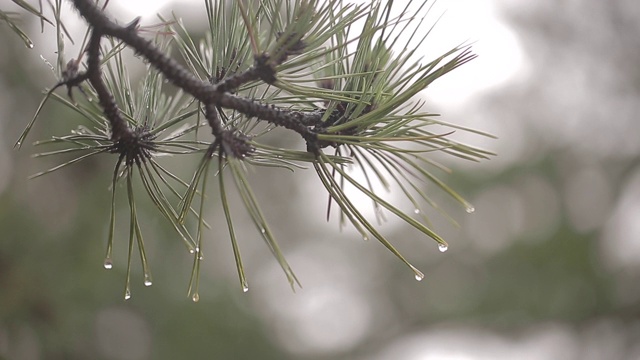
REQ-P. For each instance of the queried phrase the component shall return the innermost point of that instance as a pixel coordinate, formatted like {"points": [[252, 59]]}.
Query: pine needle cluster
{"points": [[328, 71]]}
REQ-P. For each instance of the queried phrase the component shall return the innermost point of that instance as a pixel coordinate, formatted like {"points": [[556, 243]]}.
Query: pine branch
{"points": [[345, 94]]}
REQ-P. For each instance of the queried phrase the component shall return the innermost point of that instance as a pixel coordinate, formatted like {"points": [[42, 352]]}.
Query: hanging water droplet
{"points": [[470, 209], [245, 287], [200, 257], [416, 211], [197, 250], [263, 230], [30, 44], [108, 264], [47, 62], [365, 238], [191, 251], [443, 247], [418, 274], [195, 297], [127, 294], [147, 280]]}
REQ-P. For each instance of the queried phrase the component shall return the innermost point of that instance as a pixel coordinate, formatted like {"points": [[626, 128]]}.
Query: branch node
{"points": [[265, 71], [236, 144]]}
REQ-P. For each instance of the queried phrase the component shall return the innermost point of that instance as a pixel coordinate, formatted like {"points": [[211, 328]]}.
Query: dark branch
{"points": [[119, 128]]}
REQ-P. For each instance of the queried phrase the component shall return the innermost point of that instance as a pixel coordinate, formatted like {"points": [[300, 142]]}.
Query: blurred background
{"points": [[547, 267]]}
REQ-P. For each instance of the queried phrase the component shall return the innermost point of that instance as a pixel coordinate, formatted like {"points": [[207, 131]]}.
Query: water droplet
{"points": [[263, 230], [147, 280], [418, 274], [127, 294], [197, 250], [443, 247], [108, 264], [365, 238], [47, 62], [191, 251], [245, 288], [470, 209], [200, 257], [195, 297], [30, 45], [416, 211]]}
